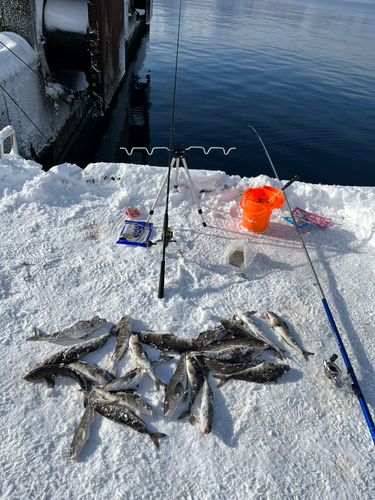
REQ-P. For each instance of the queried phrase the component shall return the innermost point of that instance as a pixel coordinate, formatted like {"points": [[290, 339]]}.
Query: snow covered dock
{"points": [[299, 439]]}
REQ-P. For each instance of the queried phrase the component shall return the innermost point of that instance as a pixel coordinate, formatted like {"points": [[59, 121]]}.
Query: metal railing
{"points": [[4, 134]]}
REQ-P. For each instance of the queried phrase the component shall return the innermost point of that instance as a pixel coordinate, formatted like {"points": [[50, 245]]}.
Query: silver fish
{"points": [[128, 382], [50, 371], [234, 350], [82, 433], [165, 341], [123, 332], [209, 337], [92, 372], [206, 411], [79, 330], [124, 416], [131, 380], [176, 390], [143, 363], [225, 368], [265, 372], [252, 343], [233, 354], [196, 379], [235, 329], [253, 329], [133, 401], [282, 331], [78, 350]]}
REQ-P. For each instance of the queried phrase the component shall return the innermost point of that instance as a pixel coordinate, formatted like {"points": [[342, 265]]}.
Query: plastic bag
{"points": [[238, 255]]}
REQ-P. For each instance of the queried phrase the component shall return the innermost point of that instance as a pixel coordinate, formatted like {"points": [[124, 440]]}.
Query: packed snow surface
{"points": [[300, 438]]}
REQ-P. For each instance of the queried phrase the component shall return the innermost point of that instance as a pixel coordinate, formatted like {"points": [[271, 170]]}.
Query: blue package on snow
{"points": [[135, 233]]}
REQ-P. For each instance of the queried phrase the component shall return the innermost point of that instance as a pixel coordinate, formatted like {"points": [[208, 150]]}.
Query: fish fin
{"points": [[192, 419], [37, 335], [183, 415], [160, 383], [50, 382], [185, 396], [155, 436], [250, 313], [306, 354], [113, 331], [164, 357], [222, 380], [112, 369]]}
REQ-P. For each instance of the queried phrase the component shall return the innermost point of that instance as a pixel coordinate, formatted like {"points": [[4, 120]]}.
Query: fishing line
{"points": [[10, 97], [165, 225], [355, 386]]}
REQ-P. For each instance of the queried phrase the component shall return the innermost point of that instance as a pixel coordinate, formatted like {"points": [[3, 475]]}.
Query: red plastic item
{"points": [[132, 212]]}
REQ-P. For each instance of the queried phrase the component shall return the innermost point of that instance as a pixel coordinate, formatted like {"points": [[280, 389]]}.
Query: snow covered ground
{"points": [[297, 439]]}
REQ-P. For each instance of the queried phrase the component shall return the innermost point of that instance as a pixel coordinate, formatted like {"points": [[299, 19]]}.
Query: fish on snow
{"points": [[82, 434], [282, 331], [249, 324], [78, 350], [123, 332], [265, 372], [48, 372], [124, 416], [92, 372], [142, 361], [176, 390], [79, 330]]}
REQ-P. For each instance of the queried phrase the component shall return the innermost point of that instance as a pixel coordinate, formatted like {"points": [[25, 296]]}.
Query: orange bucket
{"points": [[257, 205]]}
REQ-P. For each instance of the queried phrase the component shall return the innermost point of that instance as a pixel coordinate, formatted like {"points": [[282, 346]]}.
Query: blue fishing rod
{"points": [[355, 385]]}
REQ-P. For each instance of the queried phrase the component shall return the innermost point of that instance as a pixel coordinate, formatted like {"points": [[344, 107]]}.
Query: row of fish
{"points": [[229, 351]]}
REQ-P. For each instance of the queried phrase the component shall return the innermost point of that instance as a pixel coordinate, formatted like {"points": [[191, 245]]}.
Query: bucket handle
{"points": [[242, 198]]}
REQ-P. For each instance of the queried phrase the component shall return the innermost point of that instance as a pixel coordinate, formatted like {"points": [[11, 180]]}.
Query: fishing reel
{"points": [[332, 371], [168, 239]]}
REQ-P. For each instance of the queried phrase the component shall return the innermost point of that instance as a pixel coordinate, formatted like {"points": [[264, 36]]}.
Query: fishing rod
{"points": [[165, 224], [355, 385]]}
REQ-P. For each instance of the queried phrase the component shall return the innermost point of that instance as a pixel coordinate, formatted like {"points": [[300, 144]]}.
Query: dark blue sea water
{"points": [[302, 72]]}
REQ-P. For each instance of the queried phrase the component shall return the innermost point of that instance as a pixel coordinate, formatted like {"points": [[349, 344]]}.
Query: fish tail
{"points": [[112, 369], [192, 419], [306, 354], [222, 380], [155, 436], [37, 335]]}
